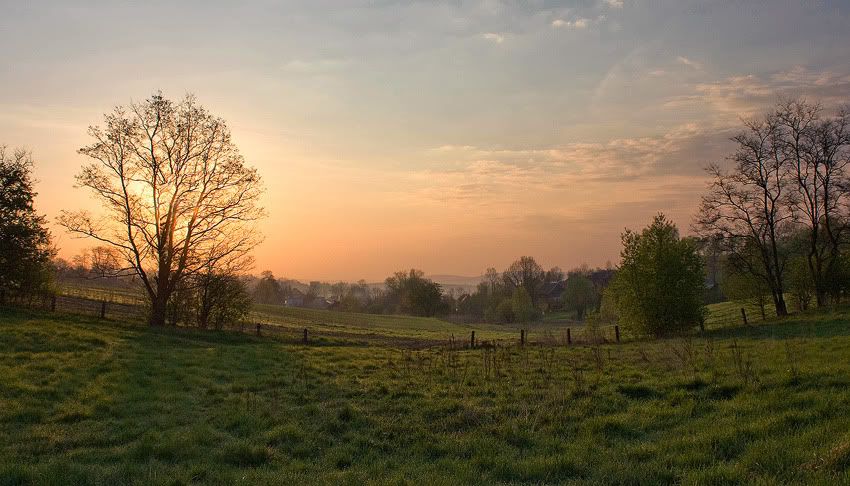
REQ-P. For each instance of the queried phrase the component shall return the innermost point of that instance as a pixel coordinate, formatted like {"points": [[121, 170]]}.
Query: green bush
{"points": [[658, 289]]}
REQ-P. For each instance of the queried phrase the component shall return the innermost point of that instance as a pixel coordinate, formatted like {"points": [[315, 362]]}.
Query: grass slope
{"points": [[91, 402]]}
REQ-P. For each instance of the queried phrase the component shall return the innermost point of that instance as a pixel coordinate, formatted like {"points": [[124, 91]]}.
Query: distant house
{"points": [[295, 298], [552, 293], [317, 303]]}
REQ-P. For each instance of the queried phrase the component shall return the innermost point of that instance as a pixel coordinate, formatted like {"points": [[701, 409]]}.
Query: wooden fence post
{"points": [[53, 303], [522, 337], [305, 335], [744, 315], [617, 333], [472, 340], [258, 329], [569, 337], [102, 309]]}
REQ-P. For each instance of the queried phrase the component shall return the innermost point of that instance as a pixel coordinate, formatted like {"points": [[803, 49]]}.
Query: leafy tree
{"points": [[801, 283], [522, 306], [176, 193], [222, 299], [211, 299], [579, 294], [412, 293], [554, 274], [504, 311], [25, 250], [526, 273], [268, 290], [658, 288]]}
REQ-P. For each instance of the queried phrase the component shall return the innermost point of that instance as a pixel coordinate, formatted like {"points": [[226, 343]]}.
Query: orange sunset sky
{"points": [[446, 136]]}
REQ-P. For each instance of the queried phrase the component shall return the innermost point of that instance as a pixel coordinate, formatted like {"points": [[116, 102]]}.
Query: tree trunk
{"points": [[158, 312], [779, 302]]}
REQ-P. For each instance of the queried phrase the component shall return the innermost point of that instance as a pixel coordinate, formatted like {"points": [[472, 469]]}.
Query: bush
{"points": [[522, 306], [658, 289]]}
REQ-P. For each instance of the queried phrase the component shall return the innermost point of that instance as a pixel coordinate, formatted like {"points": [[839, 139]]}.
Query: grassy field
{"points": [[404, 329], [87, 401]]}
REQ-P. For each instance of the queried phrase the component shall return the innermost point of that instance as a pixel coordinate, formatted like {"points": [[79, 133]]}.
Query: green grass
{"points": [[84, 401], [726, 314]]}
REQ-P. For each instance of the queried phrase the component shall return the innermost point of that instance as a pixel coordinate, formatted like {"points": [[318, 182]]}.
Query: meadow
{"points": [[88, 401], [349, 327]]}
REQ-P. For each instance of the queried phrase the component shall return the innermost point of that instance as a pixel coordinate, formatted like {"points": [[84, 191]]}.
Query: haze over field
{"points": [[447, 137]]}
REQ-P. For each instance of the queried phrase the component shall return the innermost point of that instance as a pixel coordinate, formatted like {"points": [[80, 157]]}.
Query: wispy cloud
{"points": [[749, 94], [689, 62], [577, 22], [494, 37], [614, 3], [479, 174]]}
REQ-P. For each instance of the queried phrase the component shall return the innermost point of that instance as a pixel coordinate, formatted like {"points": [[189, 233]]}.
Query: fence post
{"points": [[305, 335], [472, 340], [569, 337], [522, 337], [258, 329], [102, 309], [617, 333], [53, 303], [744, 315]]}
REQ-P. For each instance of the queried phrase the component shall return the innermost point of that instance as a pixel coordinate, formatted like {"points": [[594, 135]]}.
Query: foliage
{"points": [[800, 283], [579, 294], [223, 300], [658, 288], [25, 249], [268, 290], [412, 293], [521, 306], [526, 273], [210, 300], [743, 287]]}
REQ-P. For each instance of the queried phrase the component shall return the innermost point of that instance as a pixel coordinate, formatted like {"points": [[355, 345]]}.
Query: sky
{"points": [[446, 136]]}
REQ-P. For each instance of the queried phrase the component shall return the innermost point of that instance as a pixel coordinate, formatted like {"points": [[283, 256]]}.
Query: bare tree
{"points": [[178, 198], [816, 150], [745, 208]]}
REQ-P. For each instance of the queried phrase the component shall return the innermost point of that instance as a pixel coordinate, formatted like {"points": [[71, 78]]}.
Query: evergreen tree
{"points": [[25, 250]]}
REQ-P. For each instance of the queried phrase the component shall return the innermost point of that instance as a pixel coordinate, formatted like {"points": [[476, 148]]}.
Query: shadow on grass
{"points": [[820, 323]]}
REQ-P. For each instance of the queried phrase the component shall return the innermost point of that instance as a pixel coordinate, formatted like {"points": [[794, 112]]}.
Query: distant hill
{"points": [[456, 280]]}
